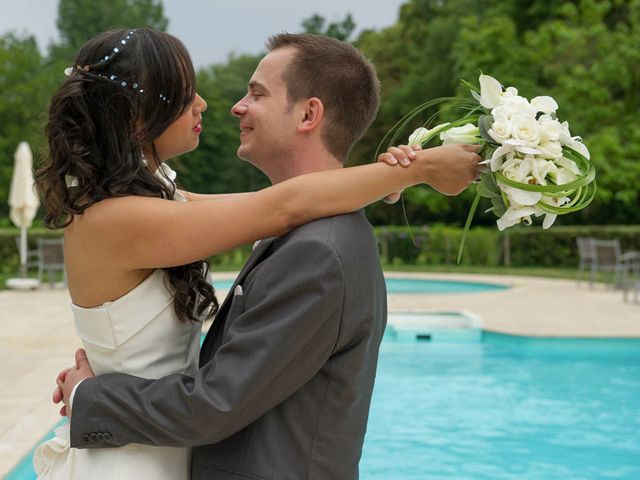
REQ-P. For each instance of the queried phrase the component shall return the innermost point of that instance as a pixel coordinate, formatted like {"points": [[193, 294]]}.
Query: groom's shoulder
{"points": [[336, 226], [337, 231]]}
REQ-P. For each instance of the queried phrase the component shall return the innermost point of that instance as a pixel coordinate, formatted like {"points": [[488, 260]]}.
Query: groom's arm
{"points": [[286, 333]]}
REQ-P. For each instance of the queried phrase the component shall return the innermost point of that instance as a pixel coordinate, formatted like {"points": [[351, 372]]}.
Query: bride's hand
{"points": [[403, 155]]}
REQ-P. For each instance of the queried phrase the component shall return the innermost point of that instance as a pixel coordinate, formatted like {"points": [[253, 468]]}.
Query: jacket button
{"points": [[93, 437], [107, 436], [100, 436], [86, 437]]}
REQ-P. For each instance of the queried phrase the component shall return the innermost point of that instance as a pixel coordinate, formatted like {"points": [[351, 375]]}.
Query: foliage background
{"points": [[585, 53]]}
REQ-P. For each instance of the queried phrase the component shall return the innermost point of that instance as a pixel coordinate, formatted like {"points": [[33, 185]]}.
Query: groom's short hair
{"points": [[341, 77]]}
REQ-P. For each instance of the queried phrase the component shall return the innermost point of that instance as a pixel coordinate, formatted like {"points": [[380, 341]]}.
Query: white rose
{"points": [[467, 133], [550, 129], [510, 92], [504, 112], [544, 104], [500, 130], [525, 129], [518, 103]]}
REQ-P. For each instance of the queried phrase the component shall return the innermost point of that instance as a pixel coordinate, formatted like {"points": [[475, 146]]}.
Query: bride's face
{"points": [[182, 135]]}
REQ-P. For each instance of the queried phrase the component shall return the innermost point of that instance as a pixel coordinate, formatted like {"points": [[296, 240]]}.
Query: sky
{"points": [[212, 29]]}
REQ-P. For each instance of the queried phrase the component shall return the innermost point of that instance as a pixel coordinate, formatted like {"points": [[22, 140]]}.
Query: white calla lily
{"points": [[497, 157], [550, 149], [544, 104], [513, 215], [522, 197], [422, 135], [562, 176], [548, 221], [467, 133], [417, 136], [580, 147], [565, 134], [568, 164], [490, 91]]}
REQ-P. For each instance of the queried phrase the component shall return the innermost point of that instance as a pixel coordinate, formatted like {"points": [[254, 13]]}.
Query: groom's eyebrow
{"points": [[253, 85]]}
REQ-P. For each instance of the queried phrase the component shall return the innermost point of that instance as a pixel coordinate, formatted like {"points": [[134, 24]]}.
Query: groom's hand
{"points": [[69, 378]]}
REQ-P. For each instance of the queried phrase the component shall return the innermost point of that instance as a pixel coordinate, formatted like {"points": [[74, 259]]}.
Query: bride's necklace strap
{"points": [[164, 172], [168, 176]]}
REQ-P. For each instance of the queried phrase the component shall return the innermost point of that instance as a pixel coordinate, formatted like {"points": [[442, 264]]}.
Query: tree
{"points": [[341, 30], [214, 165], [584, 53], [26, 83], [80, 20]]}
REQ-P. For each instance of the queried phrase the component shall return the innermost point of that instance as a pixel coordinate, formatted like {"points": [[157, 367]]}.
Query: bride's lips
{"points": [[198, 128]]}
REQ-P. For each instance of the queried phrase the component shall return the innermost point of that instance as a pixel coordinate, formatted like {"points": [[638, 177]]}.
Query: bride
{"points": [[134, 244]]}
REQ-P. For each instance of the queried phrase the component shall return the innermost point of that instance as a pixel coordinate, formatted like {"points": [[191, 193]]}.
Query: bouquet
{"points": [[534, 166]]}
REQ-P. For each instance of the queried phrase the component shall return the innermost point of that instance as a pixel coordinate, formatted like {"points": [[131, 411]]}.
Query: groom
{"points": [[288, 366]]}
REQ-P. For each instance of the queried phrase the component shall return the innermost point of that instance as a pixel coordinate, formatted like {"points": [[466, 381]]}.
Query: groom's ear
{"points": [[312, 115]]}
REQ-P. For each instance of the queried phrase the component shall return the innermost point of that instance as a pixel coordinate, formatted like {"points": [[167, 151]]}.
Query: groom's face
{"points": [[267, 123]]}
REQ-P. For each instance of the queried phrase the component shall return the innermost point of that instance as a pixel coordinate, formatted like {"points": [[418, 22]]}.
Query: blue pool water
{"points": [[423, 286], [505, 408], [490, 407]]}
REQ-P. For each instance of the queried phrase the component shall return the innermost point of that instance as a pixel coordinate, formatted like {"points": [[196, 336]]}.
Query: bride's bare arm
{"points": [[142, 232], [401, 154]]}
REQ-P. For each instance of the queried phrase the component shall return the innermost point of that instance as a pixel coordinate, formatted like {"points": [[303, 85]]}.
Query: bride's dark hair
{"points": [[126, 87]]}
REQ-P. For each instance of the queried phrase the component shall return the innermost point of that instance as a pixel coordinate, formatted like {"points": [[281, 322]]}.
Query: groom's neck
{"points": [[302, 165]]}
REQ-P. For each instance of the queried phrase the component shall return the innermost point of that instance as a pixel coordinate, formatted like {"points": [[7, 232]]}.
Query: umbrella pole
{"points": [[23, 252]]}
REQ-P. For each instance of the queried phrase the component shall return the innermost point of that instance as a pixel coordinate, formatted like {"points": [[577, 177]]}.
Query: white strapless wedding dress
{"points": [[138, 334]]}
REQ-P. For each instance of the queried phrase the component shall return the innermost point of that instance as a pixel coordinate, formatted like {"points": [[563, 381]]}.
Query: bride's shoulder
{"points": [[112, 212]]}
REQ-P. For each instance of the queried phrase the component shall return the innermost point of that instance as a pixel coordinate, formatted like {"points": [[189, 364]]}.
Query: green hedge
{"points": [[10, 258], [433, 245], [516, 247], [9, 255]]}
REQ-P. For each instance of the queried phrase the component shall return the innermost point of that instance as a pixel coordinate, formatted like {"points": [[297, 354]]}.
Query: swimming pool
{"points": [[417, 285], [504, 408], [480, 406]]}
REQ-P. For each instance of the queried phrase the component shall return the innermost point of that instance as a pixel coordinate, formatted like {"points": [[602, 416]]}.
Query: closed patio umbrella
{"points": [[23, 200]]}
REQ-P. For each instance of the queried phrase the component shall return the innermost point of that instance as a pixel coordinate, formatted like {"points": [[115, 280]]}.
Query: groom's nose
{"points": [[239, 108]]}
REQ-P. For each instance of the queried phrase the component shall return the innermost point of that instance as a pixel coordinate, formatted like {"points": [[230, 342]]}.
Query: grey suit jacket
{"points": [[287, 368]]}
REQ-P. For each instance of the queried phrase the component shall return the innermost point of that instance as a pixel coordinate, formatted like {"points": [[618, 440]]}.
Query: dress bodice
{"points": [[139, 333]]}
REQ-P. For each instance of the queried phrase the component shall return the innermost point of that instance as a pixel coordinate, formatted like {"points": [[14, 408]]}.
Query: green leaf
{"points": [[487, 187], [499, 208], [484, 124], [467, 225]]}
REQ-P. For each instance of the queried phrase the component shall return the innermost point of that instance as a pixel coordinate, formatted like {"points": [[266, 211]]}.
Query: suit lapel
{"points": [[220, 318]]}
